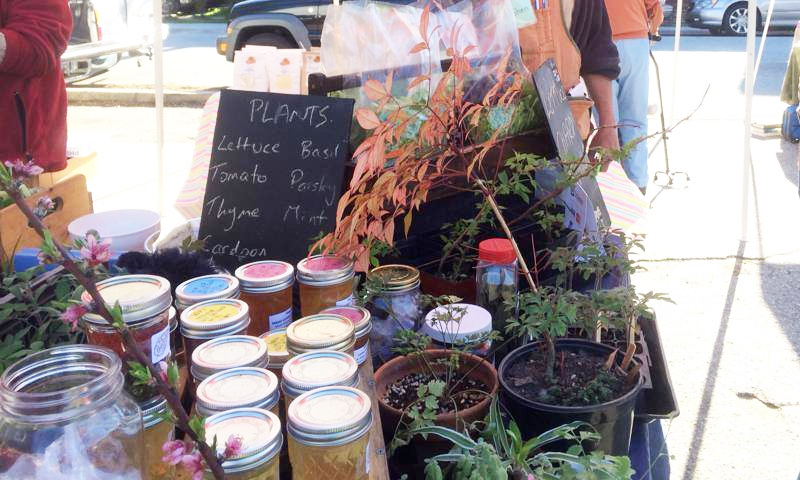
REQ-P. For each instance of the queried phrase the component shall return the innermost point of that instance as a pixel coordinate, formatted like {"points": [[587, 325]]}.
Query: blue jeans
{"points": [[630, 91]]}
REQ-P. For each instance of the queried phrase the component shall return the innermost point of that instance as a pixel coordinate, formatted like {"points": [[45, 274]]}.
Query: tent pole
{"points": [[676, 49], [767, 23], [749, 81], [158, 59]]}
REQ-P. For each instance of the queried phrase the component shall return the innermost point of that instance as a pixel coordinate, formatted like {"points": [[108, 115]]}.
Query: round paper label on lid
{"points": [[237, 386], [321, 328], [265, 270], [457, 322], [213, 313], [129, 292], [325, 263], [355, 314], [276, 342], [233, 350], [329, 408], [319, 368], [255, 427], [206, 286]]}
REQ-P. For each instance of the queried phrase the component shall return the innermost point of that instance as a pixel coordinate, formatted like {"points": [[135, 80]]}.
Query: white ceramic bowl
{"points": [[127, 229]]}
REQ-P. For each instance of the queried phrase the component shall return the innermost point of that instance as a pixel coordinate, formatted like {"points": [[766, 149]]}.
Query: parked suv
{"points": [[730, 16], [103, 30]]}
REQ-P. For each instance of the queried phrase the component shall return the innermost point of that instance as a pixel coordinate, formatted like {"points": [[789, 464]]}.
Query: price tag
{"points": [[280, 320], [159, 345], [523, 13]]}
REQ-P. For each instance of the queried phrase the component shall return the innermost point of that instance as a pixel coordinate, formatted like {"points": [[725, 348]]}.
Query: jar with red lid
{"points": [[325, 281], [362, 321], [496, 278], [266, 286], [145, 301], [211, 319]]}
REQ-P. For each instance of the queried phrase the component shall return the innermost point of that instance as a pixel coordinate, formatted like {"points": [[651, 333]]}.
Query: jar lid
{"points": [[360, 316], [395, 277], [223, 353], [269, 275], [496, 250], [321, 368], [456, 322], [277, 354], [141, 297], [152, 410], [207, 287], [258, 429], [324, 269], [329, 416], [319, 331], [214, 314], [238, 388]]}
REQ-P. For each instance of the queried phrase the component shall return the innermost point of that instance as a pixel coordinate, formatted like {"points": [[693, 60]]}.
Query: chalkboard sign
{"points": [[559, 116], [275, 175]]}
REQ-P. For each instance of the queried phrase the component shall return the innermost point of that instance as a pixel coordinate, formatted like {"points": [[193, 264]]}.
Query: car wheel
{"points": [[734, 22], [270, 40]]}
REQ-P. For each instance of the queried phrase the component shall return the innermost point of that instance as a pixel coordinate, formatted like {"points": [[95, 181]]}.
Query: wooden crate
{"points": [[72, 200]]}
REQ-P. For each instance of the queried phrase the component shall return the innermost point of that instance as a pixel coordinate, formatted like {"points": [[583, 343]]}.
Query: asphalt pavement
{"points": [[732, 338]]}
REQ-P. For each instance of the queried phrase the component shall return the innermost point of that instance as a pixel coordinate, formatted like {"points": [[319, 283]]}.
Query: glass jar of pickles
{"points": [[207, 287], [323, 331], [260, 433], [325, 281], [145, 302], [156, 432], [267, 287], [238, 388], [328, 432], [225, 353], [396, 307], [323, 368], [362, 321], [213, 319], [64, 415]]}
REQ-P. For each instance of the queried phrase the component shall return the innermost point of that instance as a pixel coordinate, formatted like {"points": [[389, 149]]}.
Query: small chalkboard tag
{"points": [[275, 175], [559, 116]]}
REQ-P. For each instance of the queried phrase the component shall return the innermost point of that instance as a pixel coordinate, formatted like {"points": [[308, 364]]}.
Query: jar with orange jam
{"points": [[260, 433], [328, 431], [156, 432], [225, 353], [145, 302], [245, 387], [323, 331], [324, 368], [325, 281], [213, 319], [266, 286], [362, 321]]}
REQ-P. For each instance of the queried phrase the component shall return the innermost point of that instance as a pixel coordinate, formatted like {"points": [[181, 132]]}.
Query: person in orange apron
{"points": [[577, 35]]}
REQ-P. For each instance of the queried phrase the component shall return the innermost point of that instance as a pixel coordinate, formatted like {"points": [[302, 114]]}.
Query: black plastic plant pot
{"points": [[613, 420]]}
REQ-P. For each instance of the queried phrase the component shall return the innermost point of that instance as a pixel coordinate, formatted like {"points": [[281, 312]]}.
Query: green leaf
{"points": [[436, 387], [456, 438]]}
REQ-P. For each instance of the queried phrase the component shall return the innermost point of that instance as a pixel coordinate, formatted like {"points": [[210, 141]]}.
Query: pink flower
{"points": [[233, 446], [174, 451], [531, 477], [162, 371], [193, 463], [21, 170], [44, 206], [96, 251], [73, 314]]}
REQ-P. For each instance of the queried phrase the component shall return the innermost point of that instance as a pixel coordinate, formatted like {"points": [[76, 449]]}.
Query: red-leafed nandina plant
{"points": [[395, 170]]}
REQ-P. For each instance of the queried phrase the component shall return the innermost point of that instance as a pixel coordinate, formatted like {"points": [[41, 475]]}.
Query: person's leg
{"points": [[632, 104]]}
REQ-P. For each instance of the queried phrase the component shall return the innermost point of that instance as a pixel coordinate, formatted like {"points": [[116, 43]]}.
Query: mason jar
{"points": [[244, 387], [267, 288], [225, 353], [323, 331], [323, 368], [395, 307], [207, 287], [325, 281], [157, 430], [329, 432], [260, 433], [65, 415], [362, 321], [211, 319]]}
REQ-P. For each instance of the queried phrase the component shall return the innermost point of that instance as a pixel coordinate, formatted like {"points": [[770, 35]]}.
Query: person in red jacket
{"points": [[33, 35]]}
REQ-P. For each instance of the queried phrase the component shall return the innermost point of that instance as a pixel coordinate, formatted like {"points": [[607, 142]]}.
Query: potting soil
{"points": [[464, 393]]}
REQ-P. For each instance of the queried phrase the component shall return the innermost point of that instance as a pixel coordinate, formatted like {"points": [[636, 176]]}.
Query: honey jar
{"points": [[325, 281], [323, 368], [320, 332], [266, 286]]}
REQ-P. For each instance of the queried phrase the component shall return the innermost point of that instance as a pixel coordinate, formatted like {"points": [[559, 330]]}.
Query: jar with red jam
{"points": [[266, 286], [211, 319], [225, 353], [207, 287], [362, 321], [145, 301], [323, 331], [325, 281]]}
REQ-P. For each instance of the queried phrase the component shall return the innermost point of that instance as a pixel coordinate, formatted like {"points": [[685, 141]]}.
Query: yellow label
{"points": [[213, 313], [276, 343]]}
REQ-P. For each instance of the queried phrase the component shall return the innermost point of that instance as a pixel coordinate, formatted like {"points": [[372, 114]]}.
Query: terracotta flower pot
{"points": [[436, 286], [399, 367]]}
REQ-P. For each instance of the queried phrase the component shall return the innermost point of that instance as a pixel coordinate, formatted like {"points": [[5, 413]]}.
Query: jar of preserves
{"points": [[145, 301], [260, 433], [396, 307], [156, 432], [362, 321], [320, 332], [245, 387], [328, 432], [207, 287], [323, 368], [213, 319], [64, 414], [496, 280], [225, 353], [267, 287], [460, 325], [325, 281]]}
